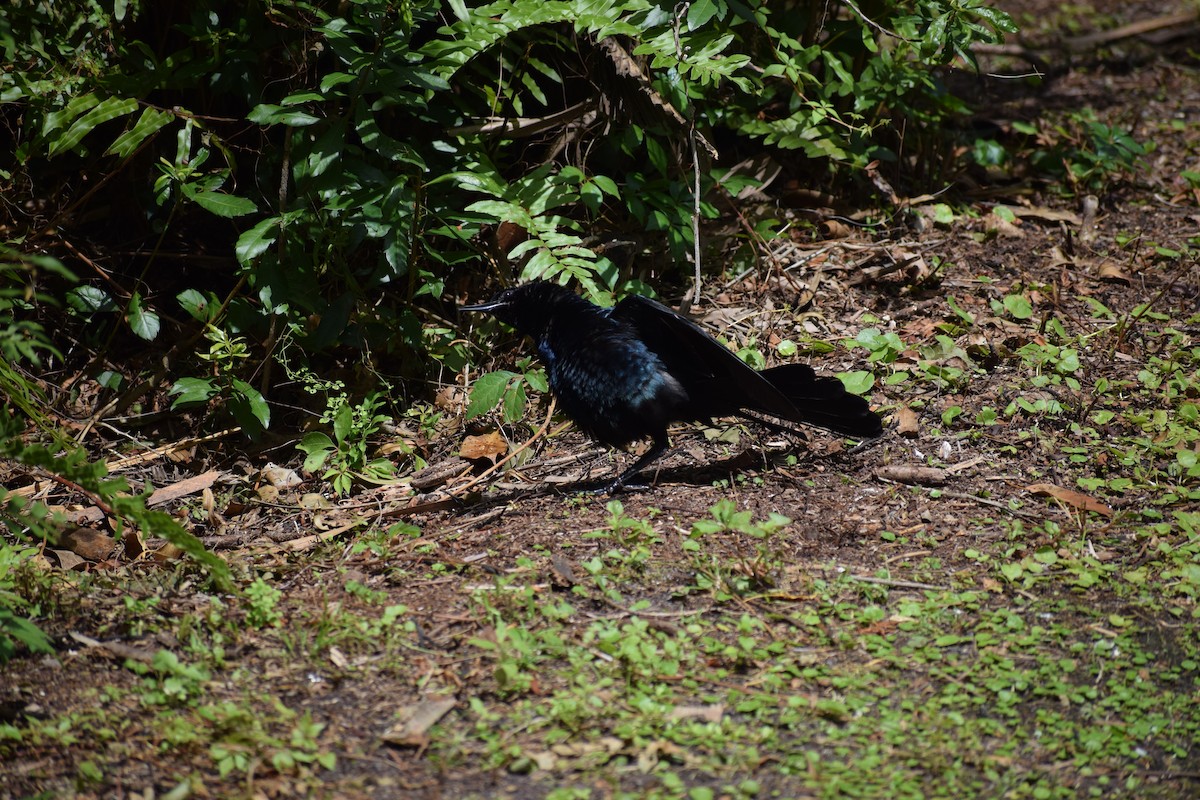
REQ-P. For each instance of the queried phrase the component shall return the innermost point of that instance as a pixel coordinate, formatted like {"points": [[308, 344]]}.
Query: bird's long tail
{"points": [[824, 402]]}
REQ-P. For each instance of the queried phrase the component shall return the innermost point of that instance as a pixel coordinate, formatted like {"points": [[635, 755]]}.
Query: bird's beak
{"points": [[489, 306]]}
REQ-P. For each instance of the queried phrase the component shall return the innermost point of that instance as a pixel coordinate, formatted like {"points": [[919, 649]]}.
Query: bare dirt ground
{"points": [[394, 644]]}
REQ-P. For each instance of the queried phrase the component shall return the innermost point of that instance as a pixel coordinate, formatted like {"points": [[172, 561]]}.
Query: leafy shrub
{"points": [[1086, 153], [342, 164], [14, 626]]}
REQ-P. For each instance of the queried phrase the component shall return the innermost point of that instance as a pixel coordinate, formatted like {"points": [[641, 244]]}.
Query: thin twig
{"points": [[459, 490], [897, 583]]}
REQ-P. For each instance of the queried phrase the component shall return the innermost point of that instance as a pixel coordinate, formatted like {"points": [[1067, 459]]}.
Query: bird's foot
{"points": [[622, 485], [865, 444], [615, 487]]}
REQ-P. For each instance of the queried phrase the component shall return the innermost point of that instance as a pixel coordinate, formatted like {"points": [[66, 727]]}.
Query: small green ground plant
{"points": [[347, 457]]}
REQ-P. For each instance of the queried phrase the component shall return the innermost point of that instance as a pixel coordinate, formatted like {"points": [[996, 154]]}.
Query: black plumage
{"points": [[627, 372]]}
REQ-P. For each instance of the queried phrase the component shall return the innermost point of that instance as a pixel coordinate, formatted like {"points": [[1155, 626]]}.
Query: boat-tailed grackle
{"points": [[626, 372]]}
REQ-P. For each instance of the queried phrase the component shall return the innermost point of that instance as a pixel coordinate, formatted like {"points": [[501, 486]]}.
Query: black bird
{"points": [[626, 372]]}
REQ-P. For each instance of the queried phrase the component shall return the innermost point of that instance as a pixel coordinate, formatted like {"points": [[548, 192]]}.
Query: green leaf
{"points": [[943, 214], [192, 391], [950, 414], [225, 205], [107, 110], [142, 321], [24, 632], [183, 142], [487, 391], [606, 185], [1005, 213], [504, 212], [998, 19], [57, 119], [342, 422], [514, 402], [335, 79], [257, 404], [1046, 555], [196, 304], [318, 447], [151, 121], [1018, 306], [373, 137], [700, 12], [90, 300], [110, 380], [989, 153], [269, 114], [254, 242], [858, 382], [536, 378], [986, 416]]}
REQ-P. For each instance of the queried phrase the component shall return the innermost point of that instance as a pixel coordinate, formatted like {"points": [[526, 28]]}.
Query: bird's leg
{"points": [[657, 449]]}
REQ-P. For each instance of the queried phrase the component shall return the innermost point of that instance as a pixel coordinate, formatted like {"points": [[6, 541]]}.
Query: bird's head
{"points": [[530, 307]]}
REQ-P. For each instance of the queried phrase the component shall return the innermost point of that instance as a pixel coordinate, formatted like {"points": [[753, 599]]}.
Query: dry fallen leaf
{"points": [[1111, 272], [1046, 214], [451, 398], [487, 445], [712, 713], [563, 570], [167, 553], [656, 751], [281, 477], [115, 649], [184, 487], [417, 720], [607, 745], [89, 543], [832, 229], [907, 423], [314, 501], [1070, 497], [1006, 229], [134, 546], [208, 501], [338, 658], [68, 560]]}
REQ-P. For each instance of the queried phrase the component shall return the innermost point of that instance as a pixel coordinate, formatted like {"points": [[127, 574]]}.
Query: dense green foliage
{"points": [[305, 177]]}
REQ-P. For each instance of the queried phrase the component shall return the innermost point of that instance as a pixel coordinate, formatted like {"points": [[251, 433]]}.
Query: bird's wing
{"points": [[718, 383]]}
